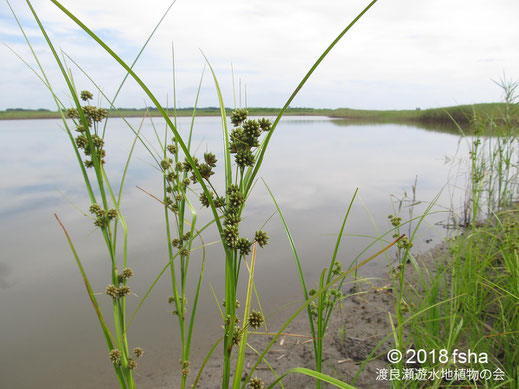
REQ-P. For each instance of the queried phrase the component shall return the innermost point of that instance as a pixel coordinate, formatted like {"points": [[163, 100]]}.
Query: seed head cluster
{"points": [[237, 335], [86, 124], [115, 356], [256, 383], [245, 137], [132, 364], [179, 175], [395, 220], [103, 217], [256, 319], [185, 368], [330, 298], [127, 273], [117, 292], [262, 238]]}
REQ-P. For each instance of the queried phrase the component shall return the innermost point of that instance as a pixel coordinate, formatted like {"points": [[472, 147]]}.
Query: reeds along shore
{"points": [[466, 299]]}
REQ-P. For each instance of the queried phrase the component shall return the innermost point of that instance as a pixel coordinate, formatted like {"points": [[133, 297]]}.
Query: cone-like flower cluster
{"points": [[103, 217], [88, 141], [256, 319], [256, 383], [262, 238]]}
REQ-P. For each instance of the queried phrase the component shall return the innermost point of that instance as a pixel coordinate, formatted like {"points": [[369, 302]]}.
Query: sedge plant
{"points": [[244, 149]]}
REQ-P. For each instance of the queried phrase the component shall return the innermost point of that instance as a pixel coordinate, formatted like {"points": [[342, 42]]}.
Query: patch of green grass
{"points": [[468, 299]]}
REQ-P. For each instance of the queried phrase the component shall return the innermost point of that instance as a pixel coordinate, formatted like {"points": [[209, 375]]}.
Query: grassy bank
{"points": [[460, 113], [465, 299]]}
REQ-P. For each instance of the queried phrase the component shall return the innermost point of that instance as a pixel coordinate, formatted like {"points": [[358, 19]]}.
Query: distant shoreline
{"points": [[461, 114]]}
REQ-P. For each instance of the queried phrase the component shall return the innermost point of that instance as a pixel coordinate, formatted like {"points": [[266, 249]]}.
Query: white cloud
{"points": [[402, 54]]}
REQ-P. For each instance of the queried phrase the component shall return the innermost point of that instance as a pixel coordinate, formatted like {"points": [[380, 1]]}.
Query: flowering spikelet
{"points": [[71, 113], [210, 159], [231, 218], [238, 116], [100, 221], [185, 368], [235, 197], [111, 290], [252, 129], [123, 291], [237, 335], [97, 141], [219, 202], [138, 352], [131, 364], [244, 158], [81, 141], [112, 214], [205, 171], [204, 200], [237, 140], [256, 319], [165, 164], [337, 268], [127, 273], [244, 246], [230, 235], [115, 355], [256, 383], [265, 124], [262, 238], [86, 95], [95, 209]]}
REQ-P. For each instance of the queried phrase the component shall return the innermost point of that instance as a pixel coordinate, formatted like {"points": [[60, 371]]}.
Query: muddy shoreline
{"points": [[358, 325]]}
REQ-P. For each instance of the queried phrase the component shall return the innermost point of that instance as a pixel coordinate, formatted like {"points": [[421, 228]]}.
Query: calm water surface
{"points": [[49, 334]]}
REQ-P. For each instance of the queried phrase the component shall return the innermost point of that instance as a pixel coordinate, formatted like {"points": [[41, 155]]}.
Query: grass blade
{"points": [[314, 374]]}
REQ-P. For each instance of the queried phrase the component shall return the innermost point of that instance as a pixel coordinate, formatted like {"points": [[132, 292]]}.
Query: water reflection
{"points": [[313, 167], [444, 127]]}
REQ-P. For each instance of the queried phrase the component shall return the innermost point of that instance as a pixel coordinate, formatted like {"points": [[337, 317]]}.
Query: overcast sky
{"points": [[402, 54]]}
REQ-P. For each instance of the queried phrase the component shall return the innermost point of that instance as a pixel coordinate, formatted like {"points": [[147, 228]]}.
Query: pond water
{"points": [[49, 334]]}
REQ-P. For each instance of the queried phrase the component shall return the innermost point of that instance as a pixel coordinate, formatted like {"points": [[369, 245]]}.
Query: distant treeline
{"points": [[462, 114]]}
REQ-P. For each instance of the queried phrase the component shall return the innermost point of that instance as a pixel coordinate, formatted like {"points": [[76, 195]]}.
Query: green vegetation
{"points": [[469, 301], [19, 113], [180, 170], [467, 298], [461, 114]]}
